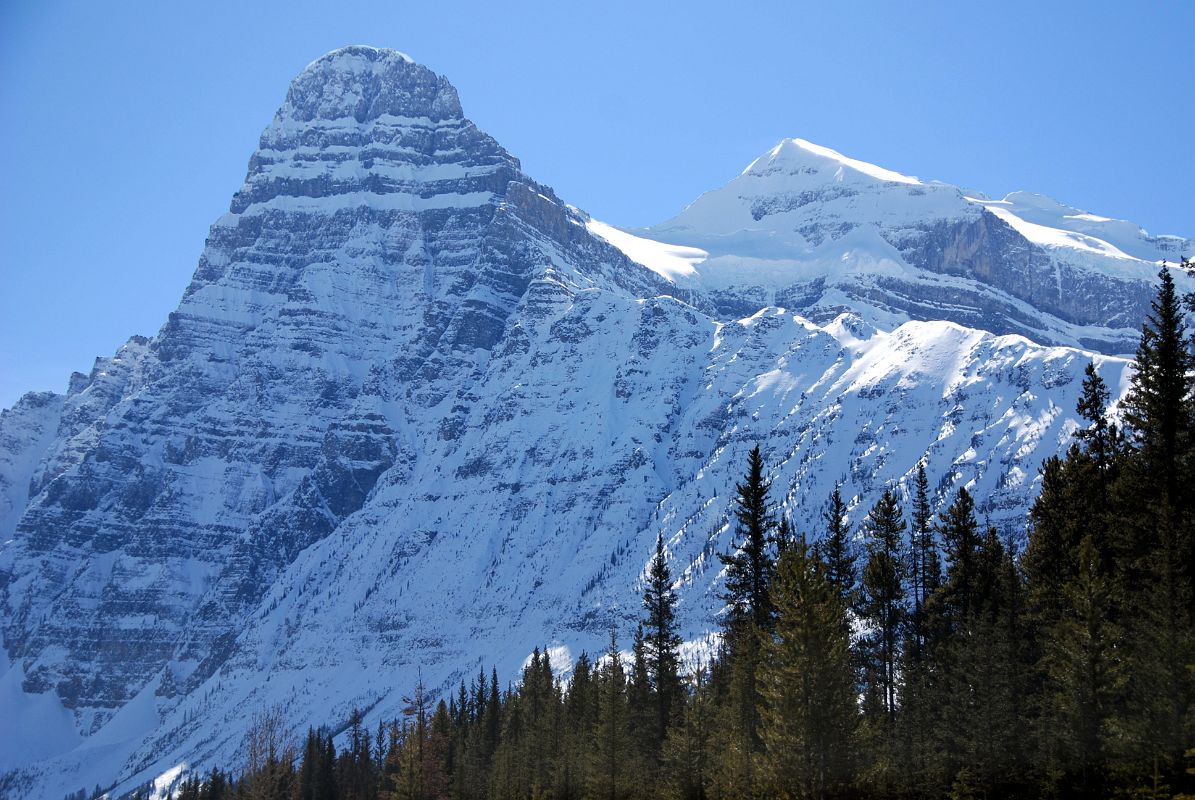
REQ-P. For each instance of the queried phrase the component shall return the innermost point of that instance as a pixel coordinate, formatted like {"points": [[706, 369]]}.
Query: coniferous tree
{"points": [[960, 536], [836, 551], [1158, 408], [687, 747], [1102, 439], [1155, 549], [810, 709], [610, 756], [986, 686], [883, 606], [925, 566], [749, 617], [579, 714], [921, 678], [1082, 680], [641, 708], [1057, 526], [883, 612], [749, 567], [414, 778], [662, 644]]}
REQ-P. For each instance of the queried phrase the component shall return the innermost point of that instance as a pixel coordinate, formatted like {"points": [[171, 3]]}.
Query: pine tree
{"points": [[921, 678], [883, 611], [960, 535], [810, 709], [925, 567], [836, 552], [1158, 408], [883, 606], [749, 567], [1082, 679], [609, 778], [687, 747], [662, 643], [749, 616]]}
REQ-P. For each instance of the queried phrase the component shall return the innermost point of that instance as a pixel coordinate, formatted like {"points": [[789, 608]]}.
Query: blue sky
{"points": [[126, 127]]}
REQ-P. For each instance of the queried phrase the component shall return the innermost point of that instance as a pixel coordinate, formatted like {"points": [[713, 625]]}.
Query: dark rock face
{"points": [[988, 251]]}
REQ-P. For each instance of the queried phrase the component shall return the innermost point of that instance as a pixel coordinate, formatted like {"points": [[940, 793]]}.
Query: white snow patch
{"points": [[163, 784], [1055, 237], [670, 261]]}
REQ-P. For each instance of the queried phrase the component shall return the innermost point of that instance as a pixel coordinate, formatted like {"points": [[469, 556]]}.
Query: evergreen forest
{"points": [[916, 655]]}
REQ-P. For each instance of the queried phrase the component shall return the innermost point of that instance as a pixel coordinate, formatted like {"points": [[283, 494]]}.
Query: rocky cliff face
{"points": [[413, 414]]}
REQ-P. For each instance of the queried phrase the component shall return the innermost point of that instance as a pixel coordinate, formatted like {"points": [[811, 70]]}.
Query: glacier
{"points": [[416, 415]]}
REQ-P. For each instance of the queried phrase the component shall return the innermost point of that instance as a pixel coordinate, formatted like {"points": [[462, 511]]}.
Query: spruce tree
{"points": [[1158, 408], [960, 535], [579, 714], [749, 566], [609, 777], [687, 747], [662, 643], [836, 551], [1100, 437], [883, 607], [925, 567], [641, 708], [985, 706], [1155, 548], [810, 709], [883, 611], [749, 615], [1082, 680]]}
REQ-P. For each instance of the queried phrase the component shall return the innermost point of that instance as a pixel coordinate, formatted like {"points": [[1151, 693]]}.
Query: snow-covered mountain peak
{"points": [[367, 83], [799, 157], [787, 200], [813, 230], [367, 127]]}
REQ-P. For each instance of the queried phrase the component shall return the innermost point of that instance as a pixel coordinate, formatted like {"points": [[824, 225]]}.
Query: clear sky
{"points": [[125, 127]]}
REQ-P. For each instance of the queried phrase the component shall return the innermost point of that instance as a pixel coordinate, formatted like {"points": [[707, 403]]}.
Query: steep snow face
{"points": [[414, 415], [1115, 238], [811, 229]]}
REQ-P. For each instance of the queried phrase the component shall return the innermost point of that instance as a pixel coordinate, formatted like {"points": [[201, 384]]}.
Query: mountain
{"points": [[809, 229], [415, 415]]}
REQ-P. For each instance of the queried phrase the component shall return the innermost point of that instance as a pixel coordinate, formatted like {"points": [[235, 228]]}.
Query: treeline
{"points": [[919, 656]]}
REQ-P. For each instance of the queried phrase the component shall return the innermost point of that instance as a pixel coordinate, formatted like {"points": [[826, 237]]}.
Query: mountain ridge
{"points": [[817, 231]]}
